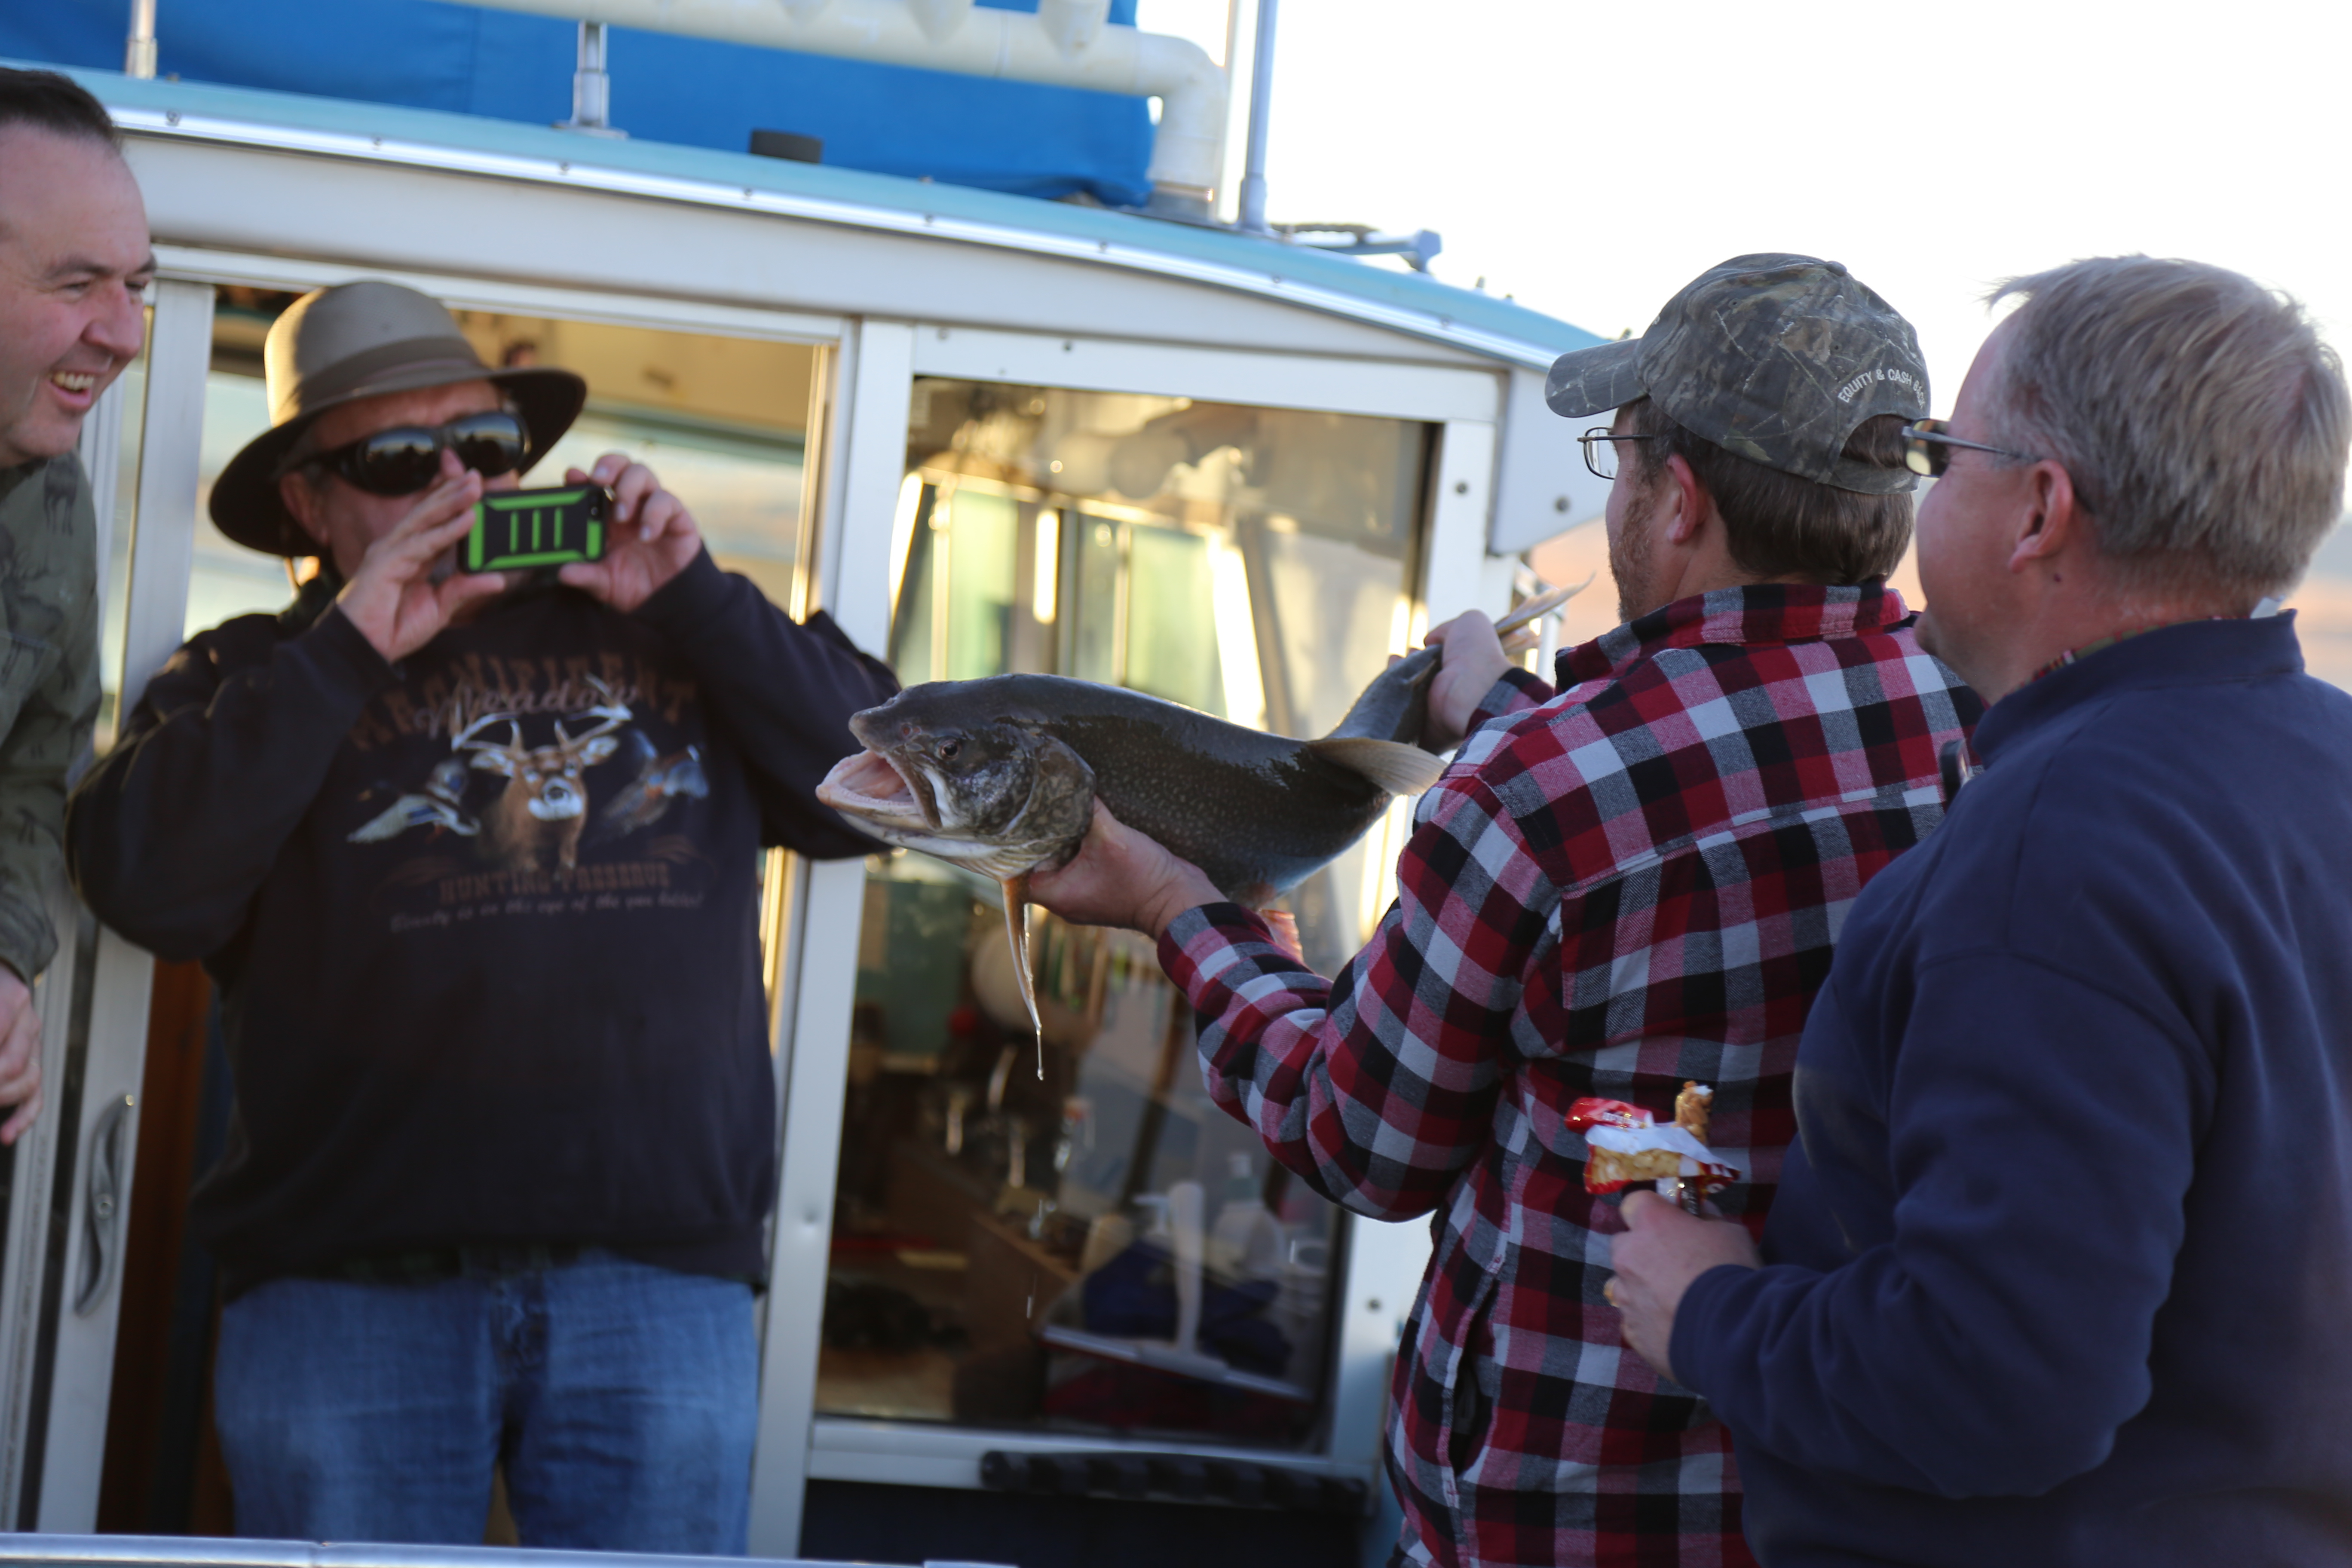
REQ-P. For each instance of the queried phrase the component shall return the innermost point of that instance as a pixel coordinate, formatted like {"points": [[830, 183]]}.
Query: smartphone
{"points": [[518, 531]]}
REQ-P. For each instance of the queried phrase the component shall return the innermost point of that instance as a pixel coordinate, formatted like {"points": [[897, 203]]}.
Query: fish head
{"points": [[946, 773]]}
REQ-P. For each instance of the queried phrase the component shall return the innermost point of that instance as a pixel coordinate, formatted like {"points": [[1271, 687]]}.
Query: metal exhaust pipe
{"points": [[1251, 219], [592, 87], [139, 53]]}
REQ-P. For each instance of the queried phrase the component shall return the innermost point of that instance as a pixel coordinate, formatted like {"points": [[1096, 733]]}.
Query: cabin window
{"points": [[1003, 1250], [721, 420]]}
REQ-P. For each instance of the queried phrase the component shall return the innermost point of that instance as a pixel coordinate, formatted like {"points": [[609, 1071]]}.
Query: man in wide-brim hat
{"points": [[474, 861], [338, 348]]}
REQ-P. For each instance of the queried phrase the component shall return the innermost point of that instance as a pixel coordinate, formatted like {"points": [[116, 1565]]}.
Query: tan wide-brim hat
{"points": [[360, 339]]}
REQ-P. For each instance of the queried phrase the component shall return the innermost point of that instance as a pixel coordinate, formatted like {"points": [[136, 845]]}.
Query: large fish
{"points": [[1000, 775]]}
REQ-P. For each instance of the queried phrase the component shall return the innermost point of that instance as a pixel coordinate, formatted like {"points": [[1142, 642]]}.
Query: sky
{"points": [[1589, 158]]}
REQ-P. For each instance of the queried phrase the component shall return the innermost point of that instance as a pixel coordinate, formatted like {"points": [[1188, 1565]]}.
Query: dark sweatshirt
{"points": [[2060, 1271], [465, 1006]]}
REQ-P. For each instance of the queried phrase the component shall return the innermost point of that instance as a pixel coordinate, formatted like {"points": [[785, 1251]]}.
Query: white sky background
{"points": [[1589, 158]]}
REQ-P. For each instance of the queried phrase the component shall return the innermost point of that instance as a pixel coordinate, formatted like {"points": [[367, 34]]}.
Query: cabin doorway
{"points": [[112, 1304]]}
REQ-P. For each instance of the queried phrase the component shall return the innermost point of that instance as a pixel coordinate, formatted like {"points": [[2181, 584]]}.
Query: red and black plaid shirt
{"points": [[1613, 889]]}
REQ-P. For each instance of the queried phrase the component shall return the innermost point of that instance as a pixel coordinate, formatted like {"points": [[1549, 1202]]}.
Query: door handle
{"points": [[101, 1211]]}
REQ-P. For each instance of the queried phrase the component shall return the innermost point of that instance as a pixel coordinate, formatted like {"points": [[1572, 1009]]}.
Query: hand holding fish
{"points": [[1662, 1251], [1006, 774], [1121, 878], [654, 536], [1473, 660]]}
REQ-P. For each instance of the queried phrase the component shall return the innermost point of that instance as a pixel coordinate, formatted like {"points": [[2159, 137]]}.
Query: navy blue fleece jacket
{"points": [[2061, 1272]]}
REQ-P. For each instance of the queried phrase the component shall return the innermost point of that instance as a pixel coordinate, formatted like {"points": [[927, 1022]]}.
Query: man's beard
{"points": [[1629, 558]]}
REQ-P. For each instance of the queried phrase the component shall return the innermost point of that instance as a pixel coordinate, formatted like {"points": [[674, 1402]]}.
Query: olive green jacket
{"points": [[49, 688]]}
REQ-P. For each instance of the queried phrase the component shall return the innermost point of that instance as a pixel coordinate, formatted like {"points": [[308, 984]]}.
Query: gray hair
{"points": [[2203, 422]]}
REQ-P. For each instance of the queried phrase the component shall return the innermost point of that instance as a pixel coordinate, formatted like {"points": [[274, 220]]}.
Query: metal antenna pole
{"points": [[139, 53], [1252, 219], [592, 87]]}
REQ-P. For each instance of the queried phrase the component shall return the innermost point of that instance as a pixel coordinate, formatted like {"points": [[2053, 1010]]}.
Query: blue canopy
{"points": [[965, 130]]}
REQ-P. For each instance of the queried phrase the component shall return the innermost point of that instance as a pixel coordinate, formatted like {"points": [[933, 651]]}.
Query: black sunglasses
{"points": [[406, 459], [1928, 448]]}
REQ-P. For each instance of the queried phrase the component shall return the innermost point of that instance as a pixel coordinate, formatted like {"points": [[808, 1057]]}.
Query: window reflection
{"points": [[721, 420], [1079, 1239]]}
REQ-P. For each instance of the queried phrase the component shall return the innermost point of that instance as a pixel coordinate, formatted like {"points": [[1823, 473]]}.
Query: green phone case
{"points": [[522, 530]]}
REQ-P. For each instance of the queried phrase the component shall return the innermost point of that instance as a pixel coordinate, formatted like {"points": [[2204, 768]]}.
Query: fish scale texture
{"points": [[1615, 889]]}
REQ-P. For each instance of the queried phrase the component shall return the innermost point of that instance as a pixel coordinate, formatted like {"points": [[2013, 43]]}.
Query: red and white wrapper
{"points": [[1628, 1131]]}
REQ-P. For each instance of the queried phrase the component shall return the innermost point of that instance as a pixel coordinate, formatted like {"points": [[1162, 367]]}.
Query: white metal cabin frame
{"points": [[886, 294]]}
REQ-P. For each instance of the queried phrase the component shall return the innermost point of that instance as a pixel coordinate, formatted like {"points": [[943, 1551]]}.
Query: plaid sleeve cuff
{"points": [[1202, 940], [1516, 692], [1225, 955]]}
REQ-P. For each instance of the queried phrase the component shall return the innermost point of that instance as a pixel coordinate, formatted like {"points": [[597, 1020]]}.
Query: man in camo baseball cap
{"points": [[1775, 357], [1625, 885]]}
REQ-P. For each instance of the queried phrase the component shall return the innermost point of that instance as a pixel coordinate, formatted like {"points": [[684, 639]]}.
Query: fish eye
{"points": [[951, 750]]}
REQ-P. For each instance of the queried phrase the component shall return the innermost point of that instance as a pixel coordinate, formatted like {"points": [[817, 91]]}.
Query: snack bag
{"points": [[1624, 1144]]}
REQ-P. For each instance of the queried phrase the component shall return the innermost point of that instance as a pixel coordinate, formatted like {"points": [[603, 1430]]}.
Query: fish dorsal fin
{"points": [[1395, 766]]}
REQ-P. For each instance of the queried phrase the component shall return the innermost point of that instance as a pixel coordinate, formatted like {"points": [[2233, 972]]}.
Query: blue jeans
{"points": [[622, 1399]]}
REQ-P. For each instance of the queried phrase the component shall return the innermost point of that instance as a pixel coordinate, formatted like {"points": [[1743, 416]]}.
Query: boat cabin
{"points": [[987, 432]]}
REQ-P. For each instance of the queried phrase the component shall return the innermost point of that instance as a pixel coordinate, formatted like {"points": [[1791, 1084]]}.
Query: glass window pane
{"points": [[1004, 1247], [916, 614], [721, 420], [744, 489], [914, 647], [983, 530], [1097, 602], [1171, 631], [224, 578]]}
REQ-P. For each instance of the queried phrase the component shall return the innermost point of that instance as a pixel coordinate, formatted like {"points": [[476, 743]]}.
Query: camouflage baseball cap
{"points": [[1776, 358]]}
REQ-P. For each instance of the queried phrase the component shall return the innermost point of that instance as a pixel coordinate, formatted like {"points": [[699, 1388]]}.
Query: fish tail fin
{"points": [[1016, 928], [1514, 629], [1395, 706], [1395, 766]]}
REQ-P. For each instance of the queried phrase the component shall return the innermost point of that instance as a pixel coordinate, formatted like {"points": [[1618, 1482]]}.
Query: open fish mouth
{"points": [[880, 795], [876, 790]]}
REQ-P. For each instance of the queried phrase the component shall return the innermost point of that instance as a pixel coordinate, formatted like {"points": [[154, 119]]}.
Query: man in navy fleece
{"points": [[2060, 1271]]}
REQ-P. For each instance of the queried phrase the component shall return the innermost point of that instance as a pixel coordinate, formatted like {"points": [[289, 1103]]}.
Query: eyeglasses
{"points": [[1600, 449], [404, 460], [1928, 448]]}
